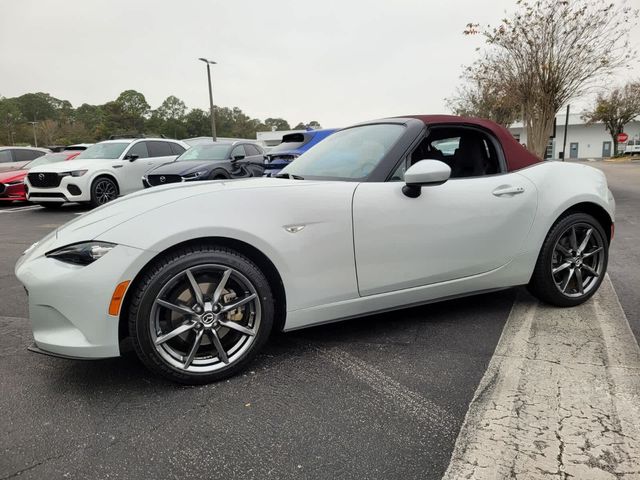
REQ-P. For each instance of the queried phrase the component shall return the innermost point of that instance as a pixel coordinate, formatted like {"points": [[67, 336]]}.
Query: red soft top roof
{"points": [[515, 154]]}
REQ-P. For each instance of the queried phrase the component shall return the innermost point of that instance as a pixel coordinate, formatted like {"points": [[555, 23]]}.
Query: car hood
{"points": [[12, 176], [74, 164], [184, 167], [102, 219]]}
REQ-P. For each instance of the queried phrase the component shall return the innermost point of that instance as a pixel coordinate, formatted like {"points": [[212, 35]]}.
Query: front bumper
{"points": [[71, 189], [15, 192], [68, 304]]}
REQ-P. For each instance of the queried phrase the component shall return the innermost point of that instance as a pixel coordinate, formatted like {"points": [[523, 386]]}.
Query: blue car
{"points": [[293, 145]]}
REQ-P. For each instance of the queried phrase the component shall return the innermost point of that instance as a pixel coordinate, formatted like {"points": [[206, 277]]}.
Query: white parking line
{"points": [[21, 209], [392, 392], [560, 398]]}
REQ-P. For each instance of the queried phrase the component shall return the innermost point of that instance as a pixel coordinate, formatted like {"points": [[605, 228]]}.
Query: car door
{"points": [[254, 161], [243, 162], [132, 167], [464, 227], [160, 152]]}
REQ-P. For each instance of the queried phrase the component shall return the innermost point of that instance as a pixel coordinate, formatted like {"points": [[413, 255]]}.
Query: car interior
{"points": [[468, 152]]}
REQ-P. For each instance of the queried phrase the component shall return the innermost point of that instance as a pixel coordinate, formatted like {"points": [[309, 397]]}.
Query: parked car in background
{"points": [[100, 173], [633, 147], [14, 158], [12, 187], [293, 145], [213, 161]]}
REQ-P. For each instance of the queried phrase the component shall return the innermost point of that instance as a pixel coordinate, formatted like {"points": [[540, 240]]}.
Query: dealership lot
{"points": [[382, 396]]}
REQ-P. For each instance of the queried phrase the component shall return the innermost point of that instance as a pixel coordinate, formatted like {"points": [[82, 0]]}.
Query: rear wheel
{"points": [[572, 262], [103, 190], [200, 314]]}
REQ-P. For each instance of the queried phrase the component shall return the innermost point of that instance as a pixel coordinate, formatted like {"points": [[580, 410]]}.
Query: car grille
{"points": [[163, 179], [47, 195], [44, 180]]}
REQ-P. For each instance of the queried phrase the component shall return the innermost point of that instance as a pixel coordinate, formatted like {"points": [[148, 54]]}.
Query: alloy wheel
{"points": [[205, 318], [578, 260], [105, 191]]}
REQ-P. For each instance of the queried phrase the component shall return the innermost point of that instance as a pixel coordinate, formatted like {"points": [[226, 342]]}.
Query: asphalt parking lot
{"points": [[379, 397]]}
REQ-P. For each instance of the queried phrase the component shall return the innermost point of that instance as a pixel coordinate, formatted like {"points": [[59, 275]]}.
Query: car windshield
{"points": [[348, 154], [46, 159], [106, 150], [205, 152]]}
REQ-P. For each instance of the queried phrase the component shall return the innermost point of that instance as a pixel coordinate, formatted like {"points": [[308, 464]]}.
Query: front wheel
{"points": [[103, 190], [572, 262], [200, 314]]}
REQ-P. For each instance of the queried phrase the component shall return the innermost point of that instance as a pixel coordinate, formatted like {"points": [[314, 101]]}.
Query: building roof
{"points": [[516, 155]]}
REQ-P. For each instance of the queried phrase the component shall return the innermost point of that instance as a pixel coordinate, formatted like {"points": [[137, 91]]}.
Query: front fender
{"points": [[316, 263]]}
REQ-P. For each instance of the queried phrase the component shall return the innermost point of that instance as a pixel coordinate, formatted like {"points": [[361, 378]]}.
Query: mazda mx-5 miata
{"points": [[378, 216]]}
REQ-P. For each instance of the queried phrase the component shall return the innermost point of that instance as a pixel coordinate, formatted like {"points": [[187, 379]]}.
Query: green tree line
{"points": [[57, 122]]}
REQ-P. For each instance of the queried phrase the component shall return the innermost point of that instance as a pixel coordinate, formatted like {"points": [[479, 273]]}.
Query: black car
{"points": [[214, 161]]}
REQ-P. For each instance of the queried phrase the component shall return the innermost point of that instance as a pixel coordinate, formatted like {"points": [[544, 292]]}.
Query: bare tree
{"points": [[616, 109], [481, 98], [551, 51]]}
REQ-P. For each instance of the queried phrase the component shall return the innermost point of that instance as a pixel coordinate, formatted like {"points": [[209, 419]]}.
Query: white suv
{"points": [[101, 173]]}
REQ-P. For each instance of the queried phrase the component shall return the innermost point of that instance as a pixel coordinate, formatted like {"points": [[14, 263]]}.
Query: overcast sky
{"points": [[335, 61]]}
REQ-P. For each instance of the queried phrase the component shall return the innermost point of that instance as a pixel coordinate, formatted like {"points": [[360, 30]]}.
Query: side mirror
{"points": [[238, 157], [131, 158], [424, 173]]}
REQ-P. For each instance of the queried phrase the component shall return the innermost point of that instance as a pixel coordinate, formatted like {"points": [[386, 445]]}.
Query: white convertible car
{"points": [[379, 216]]}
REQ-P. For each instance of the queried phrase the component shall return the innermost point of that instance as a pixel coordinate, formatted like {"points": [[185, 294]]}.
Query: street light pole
{"points": [[213, 121], [35, 139]]}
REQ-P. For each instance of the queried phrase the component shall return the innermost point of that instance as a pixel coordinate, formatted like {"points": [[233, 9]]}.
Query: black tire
{"points": [[51, 205], [542, 284], [218, 175], [103, 190], [144, 317]]}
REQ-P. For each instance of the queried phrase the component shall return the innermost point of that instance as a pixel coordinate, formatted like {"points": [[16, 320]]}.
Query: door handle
{"points": [[116, 166], [507, 190]]}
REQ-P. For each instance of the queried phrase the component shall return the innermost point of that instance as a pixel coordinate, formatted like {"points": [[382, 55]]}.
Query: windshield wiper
{"points": [[289, 175]]}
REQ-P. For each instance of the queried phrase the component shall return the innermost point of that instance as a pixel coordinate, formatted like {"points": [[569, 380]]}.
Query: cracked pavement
{"points": [[560, 398]]}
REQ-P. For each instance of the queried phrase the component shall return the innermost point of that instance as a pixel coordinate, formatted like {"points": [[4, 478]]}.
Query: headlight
{"points": [[194, 175], [17, 182], [81, 253], [74, 173]]}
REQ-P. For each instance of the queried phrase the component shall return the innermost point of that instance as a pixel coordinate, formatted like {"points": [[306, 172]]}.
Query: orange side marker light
{"points": [[117, 297]]}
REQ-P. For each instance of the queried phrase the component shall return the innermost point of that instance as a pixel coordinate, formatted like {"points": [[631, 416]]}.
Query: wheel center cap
{"points": [[207, 318]]}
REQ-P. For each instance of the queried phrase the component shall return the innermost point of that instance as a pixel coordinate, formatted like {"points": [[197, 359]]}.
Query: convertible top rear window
{"points": [[349, 154]]}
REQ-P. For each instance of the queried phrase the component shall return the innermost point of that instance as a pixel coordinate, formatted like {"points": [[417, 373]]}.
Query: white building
{"points": [[583, 140]]}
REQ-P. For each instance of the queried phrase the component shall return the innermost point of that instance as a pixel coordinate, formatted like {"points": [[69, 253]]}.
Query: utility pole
{"points": [[35, 138], [566, 127], [213, 121]]}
